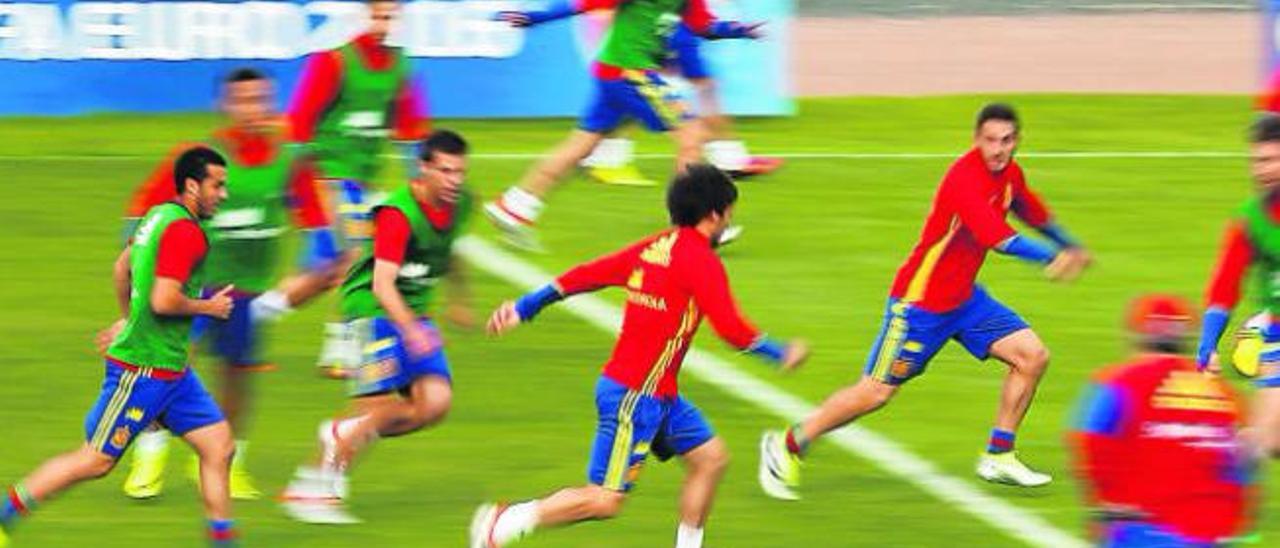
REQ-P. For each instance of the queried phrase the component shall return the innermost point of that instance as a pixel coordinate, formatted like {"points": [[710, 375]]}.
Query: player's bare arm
{"points": [[398, 311], [167, 299], [458, 308]]}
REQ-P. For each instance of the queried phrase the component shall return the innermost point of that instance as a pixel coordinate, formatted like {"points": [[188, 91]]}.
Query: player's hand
{"points": [[220, 304], [518, 19], [104, 337], [753, 31], [796, 354], [419, 341], [1068, 265], [1214, 367], [503, 319], [460, 316]]}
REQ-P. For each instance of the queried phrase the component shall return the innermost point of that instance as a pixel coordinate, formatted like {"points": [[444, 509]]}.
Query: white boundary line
{"points": [[1168, 154], [881, 451]]}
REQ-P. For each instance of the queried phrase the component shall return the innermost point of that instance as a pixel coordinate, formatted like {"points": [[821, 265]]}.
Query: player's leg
{"points": [[351, 204], [627, 423], [612, 162], [192, 414], [990, 329], [686, 433], [517, 210], [909, 337], [236, 341], [1266, 411]]}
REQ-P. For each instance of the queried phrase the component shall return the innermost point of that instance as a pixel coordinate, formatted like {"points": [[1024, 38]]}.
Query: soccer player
{"points": [[147, 378], [349, 102], [1156, 442], [1252, 238], [673, 279], [935, 298], [403, 382], [627, 84], [612, 161], [266, 180]]}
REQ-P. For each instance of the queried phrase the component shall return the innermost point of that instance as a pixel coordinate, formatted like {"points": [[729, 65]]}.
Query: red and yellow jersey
{"points": [[673, 279], [967, 219], [1158, 437]]}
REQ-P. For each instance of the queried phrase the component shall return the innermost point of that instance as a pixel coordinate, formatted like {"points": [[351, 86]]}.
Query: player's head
{"points": [[248, 99], [1160, 323], [1264, 151], [996, 135], [200, 177], [443, 165], [382, 13], [702, 196]]}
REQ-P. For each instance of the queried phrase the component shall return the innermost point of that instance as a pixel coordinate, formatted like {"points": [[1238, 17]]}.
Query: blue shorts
{"points": [[234, 339], [353, 205], [640, 94], [686, 55], [132, 398], [631, 425], [910, 336], [1269, 359], [385, 363], [1140, 534]]}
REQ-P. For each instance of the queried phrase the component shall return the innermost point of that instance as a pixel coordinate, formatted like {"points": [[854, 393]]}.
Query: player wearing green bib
{"points": [[1253, 239], [627, 85], [270, 188], [349, 103], [157, 281], [402, 383]]}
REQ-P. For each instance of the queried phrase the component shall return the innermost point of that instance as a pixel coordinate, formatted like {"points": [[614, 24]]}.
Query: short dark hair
{"points": [[698, 191], [442, 140], [997, 111], [1265, 129], [194, 164], [244, 74]]}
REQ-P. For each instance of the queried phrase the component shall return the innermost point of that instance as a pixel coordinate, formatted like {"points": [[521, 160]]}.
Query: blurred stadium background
{"points": [[1144, 168]]}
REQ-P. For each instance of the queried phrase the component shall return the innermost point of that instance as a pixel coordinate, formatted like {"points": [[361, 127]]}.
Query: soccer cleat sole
{"points": [[482, 523]]}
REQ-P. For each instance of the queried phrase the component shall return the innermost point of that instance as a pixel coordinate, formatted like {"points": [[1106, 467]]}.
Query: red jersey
{"points": [[1159, 437], [967, 219], [672, 279]]}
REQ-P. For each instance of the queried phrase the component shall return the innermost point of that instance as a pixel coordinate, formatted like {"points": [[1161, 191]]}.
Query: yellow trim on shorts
{"points": [[656, 96], [112, 412], [620, 455]]}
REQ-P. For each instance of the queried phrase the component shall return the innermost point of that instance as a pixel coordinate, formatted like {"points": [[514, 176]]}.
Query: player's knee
{"points": [[429, 413], [880, 393], [606, 503], [717, 461], [1035, 360], [96, 465]]}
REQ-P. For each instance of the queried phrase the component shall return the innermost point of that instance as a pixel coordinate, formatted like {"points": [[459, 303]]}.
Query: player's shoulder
{"points": [[964, 169]]}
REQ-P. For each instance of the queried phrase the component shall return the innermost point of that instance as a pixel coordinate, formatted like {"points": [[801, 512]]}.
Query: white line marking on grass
{"points": [[832, 155], [881, 451]]}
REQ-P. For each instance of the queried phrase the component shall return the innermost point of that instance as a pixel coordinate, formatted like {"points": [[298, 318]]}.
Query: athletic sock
{"points": [[728, 155], [242, 454], [17, 504], [610, 153], [521, 204], [515, 522], [150, 442], [222, 532], [797, 443], [1001, 441], [688, 536]]}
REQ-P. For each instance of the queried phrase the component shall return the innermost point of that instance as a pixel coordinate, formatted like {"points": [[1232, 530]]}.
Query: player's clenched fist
{"points": [[220, 304], [503, 319], [796, 354], [1068, 265]]}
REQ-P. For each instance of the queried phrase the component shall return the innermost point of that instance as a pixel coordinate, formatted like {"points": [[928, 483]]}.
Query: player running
{"points": [[613, 160], [673, 279], [628, 84], [1253, 238], [1156, 442], [935, 298], [266, 180], [348, 104], [157, 282], [403, 382]]}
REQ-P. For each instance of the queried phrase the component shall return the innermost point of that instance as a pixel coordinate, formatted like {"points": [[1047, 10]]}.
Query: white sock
{"points": [[269, 306], [521, 203], [515, 522], [150, 442], [614, 152], [728, 155], [242, 453], [346, 427], [688, 536]]}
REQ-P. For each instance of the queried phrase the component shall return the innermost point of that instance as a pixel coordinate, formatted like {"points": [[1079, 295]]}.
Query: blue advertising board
{"points": [[71, 57]]}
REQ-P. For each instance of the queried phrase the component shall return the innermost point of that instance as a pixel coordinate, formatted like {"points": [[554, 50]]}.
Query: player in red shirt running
{"points": [[673, 279], [934, 298], [1156, 442]]}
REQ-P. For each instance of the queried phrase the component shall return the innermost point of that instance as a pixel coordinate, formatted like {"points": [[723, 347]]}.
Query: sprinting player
{"points": [[1252, 238], [403, 382], [613, 160], [673, 279], [1157, 445], [157, 282], [266, 180], [628, 85], [348, 104], [935, 298]]}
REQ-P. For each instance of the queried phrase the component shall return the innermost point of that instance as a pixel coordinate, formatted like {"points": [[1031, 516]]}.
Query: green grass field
{"points": [[823, 239]]}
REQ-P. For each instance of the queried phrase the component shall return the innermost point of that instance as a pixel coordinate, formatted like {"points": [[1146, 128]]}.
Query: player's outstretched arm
{"points": [[711, 293], [1223, 292], [557, 9], [122, 279], [167, 299]]}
